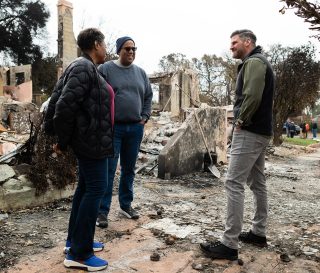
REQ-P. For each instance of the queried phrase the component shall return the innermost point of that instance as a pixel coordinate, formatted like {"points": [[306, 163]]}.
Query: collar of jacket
{"points": [[257, 49], [85, 55]]}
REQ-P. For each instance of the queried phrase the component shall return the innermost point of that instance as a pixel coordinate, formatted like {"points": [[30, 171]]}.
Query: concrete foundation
{"points": [[25, 197]]}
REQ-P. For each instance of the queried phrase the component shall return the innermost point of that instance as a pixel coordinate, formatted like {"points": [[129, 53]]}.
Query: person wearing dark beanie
{"points": [[121, 41], [133, 97]]}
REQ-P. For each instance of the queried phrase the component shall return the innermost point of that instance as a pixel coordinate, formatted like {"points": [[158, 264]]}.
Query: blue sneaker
{"points": [[91, 264], [97, 246]]}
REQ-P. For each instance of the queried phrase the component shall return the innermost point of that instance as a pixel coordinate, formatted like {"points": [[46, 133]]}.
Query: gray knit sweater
{"points": [[133, 93]]}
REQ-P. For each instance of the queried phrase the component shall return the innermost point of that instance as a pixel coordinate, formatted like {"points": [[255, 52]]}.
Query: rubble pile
{"points": [[27, 163], [158, 131]]}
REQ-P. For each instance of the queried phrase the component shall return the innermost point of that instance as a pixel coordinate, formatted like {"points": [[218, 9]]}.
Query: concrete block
{"points": [[185, 150]]}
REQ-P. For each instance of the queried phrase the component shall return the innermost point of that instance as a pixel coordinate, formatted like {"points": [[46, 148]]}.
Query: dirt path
{"points": [[191, 209]]}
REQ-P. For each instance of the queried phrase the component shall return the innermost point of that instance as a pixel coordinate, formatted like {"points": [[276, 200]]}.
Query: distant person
{"points": [[292, 129], [133, 97], [303, 129], [83, 121], [251, 135], [307, 129], [287, 124], [314, 129]]}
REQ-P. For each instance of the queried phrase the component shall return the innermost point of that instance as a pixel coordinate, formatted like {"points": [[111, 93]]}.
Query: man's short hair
{"points": [[88, 37], [245, 34]]}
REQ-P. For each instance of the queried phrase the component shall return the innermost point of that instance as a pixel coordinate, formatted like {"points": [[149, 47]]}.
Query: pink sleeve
{"points": [[111, 96]]}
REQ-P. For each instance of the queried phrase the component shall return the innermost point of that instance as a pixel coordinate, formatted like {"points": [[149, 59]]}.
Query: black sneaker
{"points": [[130, 213], [102, 220], [217, 250], [250, 238]]}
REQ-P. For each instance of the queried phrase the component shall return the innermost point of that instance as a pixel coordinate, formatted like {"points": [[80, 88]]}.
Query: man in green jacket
{"points": [[251, 135]]}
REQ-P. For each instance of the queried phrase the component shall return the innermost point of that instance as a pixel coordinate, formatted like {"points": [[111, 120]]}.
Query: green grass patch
{"points": [[299, 141]]}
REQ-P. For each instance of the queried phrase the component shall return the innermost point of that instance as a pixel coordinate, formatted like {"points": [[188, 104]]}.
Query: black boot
{"points": [[250, 238], [217, 250]]}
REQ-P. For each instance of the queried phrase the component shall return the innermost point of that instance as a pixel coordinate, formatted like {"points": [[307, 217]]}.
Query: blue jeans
{"points": [[91, 186], [314, 133], [246, 166], [126, 141]]}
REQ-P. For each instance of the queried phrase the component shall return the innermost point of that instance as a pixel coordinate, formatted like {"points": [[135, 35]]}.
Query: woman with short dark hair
{"points": [[83, 121]]}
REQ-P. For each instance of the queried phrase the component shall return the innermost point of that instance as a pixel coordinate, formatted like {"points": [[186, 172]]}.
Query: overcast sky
{"points": [[190, 27]]}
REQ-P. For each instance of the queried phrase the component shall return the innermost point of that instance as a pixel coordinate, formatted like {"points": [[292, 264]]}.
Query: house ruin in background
{"points": [[16, 96], [16, 83], [177, 91], [185, 150], [17, 112], [3, 71], [67, 46]]}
